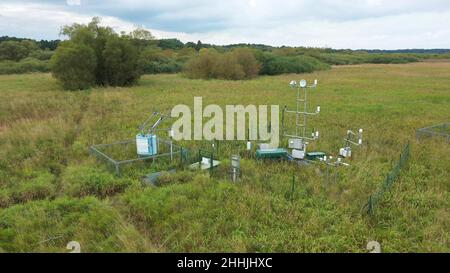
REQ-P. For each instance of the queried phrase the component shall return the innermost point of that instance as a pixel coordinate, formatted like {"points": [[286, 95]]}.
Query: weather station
{"points": [[300, 138]]}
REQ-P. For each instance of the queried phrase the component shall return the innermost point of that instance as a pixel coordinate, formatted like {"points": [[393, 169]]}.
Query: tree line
{"points": [[95, 55]]}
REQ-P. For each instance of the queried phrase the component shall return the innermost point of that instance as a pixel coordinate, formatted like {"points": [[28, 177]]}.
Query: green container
{"points": [[315, 155], [271, 154]]}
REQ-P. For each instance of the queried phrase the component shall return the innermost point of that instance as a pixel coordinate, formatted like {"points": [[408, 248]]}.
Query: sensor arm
{"points": [[349, 137], [156, 124]]}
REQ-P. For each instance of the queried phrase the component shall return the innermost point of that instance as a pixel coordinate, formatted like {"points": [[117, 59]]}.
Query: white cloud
{"points": [[73, 2], [44, 21], [333, 23]]}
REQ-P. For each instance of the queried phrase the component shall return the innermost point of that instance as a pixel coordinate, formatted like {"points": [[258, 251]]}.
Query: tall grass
{"points": [[45, 167]]}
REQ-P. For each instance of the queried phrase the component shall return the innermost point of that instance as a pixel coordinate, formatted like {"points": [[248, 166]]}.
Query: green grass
{"points": [[53, 192]]}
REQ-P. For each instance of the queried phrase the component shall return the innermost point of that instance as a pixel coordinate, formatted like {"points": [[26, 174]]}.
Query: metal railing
{"points": [[172, 150]]}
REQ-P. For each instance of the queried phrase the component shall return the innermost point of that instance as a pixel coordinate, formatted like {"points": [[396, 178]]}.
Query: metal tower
{"points": [[299, 139]]}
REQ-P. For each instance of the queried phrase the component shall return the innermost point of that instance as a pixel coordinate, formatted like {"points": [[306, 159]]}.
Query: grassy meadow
{"points": [[52, 191]]}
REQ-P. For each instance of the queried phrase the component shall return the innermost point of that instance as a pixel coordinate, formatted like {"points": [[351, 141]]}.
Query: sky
{"points": [[353, 24]]}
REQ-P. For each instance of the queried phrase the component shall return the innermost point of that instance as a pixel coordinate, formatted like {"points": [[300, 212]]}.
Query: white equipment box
{"points": [[298, 154], [345, 152]]}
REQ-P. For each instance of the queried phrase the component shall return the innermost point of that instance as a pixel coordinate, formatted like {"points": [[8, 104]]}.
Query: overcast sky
{"points": [[369, 24]]}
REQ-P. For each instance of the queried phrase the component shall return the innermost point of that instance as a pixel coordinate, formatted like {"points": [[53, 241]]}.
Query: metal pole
{"points": [[283, 130], [211, 164], [328, 173], [370, 206], [335, 173], [171, 151], [305, 111], [297, 110]]}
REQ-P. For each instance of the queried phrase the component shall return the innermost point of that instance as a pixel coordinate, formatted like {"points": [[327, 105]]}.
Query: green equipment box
{"points": [[315, 155], [271, 154]]}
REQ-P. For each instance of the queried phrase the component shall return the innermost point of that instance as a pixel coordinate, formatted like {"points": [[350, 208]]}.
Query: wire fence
{"points": [[122, 153], [441, 130], [391, 177]]}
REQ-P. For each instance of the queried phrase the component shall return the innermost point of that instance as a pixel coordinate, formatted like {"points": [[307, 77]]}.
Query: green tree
{"points": [[185, 54], [140, 37], [141, 33], [227, 67], [121, 61], [201, 66], [16, 51], [111, 59], [170, 44], [42, 55], [246, 58], [74, 64], [235, 65], [198, 46]]}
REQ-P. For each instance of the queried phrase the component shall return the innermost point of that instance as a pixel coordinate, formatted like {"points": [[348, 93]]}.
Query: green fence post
{"points": [[370, 206], [293, 188], [117, 169], [181, 157], [390, 179], [211, 164]]}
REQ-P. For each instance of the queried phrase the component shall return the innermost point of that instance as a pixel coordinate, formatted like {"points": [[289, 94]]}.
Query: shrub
{"points": [[34, 187], [227, 67], [84, 181], [120, 59], [202, 65], [15, 50], [248, 61], [390, 59], [40, 187], [43, 55], [167, 178], [275, 65], [154, 60], [33, 65], [74, 64], [236, 65], [27, 65], [340, 59], [185, 54], [169, 67]]}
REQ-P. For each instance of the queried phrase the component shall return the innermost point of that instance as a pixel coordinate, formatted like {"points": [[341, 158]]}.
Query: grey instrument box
{"points": [[296, 143]]}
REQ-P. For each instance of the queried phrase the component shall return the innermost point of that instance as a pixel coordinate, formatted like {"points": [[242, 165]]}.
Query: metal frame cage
{"points": [[441, 130], [169, 150]]}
